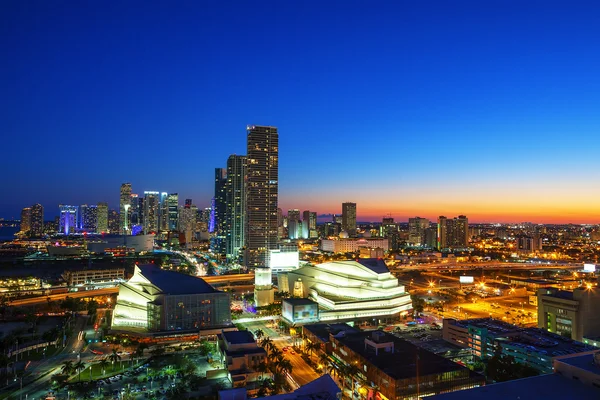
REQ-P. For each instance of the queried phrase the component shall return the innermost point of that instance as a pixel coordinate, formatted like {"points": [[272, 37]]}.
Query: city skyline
{"points": [[484, 110]]}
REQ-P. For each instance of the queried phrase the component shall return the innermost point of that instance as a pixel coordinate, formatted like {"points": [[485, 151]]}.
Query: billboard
{"points": [[283, 260], [466, 279], [589, 267]]}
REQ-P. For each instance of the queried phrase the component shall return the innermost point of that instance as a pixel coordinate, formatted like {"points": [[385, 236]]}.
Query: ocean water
{"points": [[7, 233]]}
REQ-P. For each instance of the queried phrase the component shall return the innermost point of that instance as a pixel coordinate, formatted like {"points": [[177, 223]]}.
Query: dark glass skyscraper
{"points": [[218, 241], [349, 218], [236, 204], [261, 193]]}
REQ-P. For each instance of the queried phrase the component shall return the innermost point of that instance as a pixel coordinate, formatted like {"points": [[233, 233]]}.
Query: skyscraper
{"points": [[349, 218], [88, 218], [102, 219], [261, 193], [218, 242], [309, 225], [163, 212], [37, 220], [68, 219], [453, 233], [416, 230], [236, 205], [124, 205], [173, 210], [26, 220], [151, 212], [294, 225], [114, 221]]}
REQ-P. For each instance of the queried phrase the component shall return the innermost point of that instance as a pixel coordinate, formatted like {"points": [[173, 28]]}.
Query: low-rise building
{"points": [[351, 290], [396, 369], [573, 314], [155, 300], [91, 276], [241, 356], [535, 347], [299, 311], [322, 388], [574, 377], [351, 245]]}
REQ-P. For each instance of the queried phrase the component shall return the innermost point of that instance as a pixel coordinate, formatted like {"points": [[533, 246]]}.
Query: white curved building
{"points": [[352, 289]]}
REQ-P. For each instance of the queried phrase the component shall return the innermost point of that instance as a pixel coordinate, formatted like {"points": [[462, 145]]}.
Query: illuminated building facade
{"points": [[218, 243], [351, 290], [37, 220], [416, 231], [261, 193], [26, 220], [68, 219], [573, 314], [124, 205], [114, 221], [349, 218], [151, 212], [88, 218], [263, 287], [309, 225], [236, 206], [173, 210], [351, 245], [453, 233], [102, 218], [156, 300]]}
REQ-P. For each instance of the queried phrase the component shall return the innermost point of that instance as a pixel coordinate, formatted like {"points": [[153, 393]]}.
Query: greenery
{"points": [[418, 303], [502, 368]]}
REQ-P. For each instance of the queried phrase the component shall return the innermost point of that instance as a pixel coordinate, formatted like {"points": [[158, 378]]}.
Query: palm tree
{"points": [[103, 364], [324, 360], [114, 357], [265, 342], [259, 333], [79, 366], [262, 368], [140, 349], [285, 366], [67, 367]]}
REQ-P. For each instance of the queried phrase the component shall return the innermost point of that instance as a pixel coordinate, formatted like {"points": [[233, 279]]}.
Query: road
{"points": [[302, 373], [44, 369]]}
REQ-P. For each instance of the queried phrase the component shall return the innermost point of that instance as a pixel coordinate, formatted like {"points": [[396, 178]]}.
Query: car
{"points": [[292, 352]]}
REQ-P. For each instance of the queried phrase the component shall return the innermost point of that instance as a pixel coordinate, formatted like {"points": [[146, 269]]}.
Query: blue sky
{"points": [[433, 107]]}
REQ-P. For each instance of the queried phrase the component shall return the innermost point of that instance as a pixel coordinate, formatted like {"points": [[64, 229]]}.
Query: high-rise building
{"points": [[68, 219], [236, 205], [261, 193], [173, 210], [88, 218], [151, 212], [188, 203], [163, 212], [309, 225], [37, 220], [218, 242], [453, 233], [187, 222], [349, 218], [416, 230], [124, 205], [114, 221], [135, 211], [26, 220], [294, 224], [102, 219]]}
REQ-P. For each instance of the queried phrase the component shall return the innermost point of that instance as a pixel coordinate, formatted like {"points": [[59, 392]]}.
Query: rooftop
{"points": [[402, 364], [561, 294], [376, 265], [299, 302], [238, 337], [174, 283], [584, 362], [322, 331], [551, 386]]}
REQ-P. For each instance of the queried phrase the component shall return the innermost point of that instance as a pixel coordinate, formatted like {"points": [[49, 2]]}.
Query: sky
{"points": [[483, 108]]}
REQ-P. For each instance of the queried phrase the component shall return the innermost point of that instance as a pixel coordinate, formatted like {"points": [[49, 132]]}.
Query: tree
{"points": [[79, 366], [114, 357], [103, 364], [418, 303], [67, 367], [265, 343], [501, 367], [262, 368], [158, 351], [259, 333], [324, 360]]}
